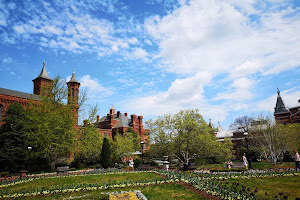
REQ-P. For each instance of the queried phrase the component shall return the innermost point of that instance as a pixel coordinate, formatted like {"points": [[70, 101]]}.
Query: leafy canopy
{"points": [[186, 135]]}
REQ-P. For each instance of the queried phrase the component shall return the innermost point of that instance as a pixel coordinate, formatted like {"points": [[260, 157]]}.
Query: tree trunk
{"points": [[52, 164]]}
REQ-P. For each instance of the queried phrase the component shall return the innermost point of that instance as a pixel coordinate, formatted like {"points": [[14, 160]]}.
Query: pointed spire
{"points": [[73, 79], [44, 73], [280, 106]]}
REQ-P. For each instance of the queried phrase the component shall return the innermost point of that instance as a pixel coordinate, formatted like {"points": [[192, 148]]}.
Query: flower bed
{"points": [[83, 186], [216, 184]]}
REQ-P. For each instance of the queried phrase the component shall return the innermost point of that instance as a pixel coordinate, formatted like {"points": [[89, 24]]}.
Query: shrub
{"points": [[105, 154]]}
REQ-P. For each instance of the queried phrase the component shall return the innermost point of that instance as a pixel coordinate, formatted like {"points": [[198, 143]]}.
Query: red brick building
{"points": [[286, 114], [113, 122], [107, 125], [41, 85]]}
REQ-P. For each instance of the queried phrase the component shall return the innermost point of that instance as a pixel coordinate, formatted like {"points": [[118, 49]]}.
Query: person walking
{"points": [[131, 164], [245, 161], [297, 159]]}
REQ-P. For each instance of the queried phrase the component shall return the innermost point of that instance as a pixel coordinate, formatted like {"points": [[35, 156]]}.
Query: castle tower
{"points": [[281, 112], [73, 95], [42, 83]]}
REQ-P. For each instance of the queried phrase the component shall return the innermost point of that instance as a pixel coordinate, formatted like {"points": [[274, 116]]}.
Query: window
{"points": [[72, 93]]}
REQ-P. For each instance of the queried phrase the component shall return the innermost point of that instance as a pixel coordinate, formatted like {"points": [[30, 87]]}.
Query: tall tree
{"points": [[51, 130], [242, 124], [89, 141], [88, 145], [186, 136], [105, 157], [13, 147], [274, 139]]}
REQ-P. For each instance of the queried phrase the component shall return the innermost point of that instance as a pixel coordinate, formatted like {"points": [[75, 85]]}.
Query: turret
{"points": [[73, 95], [42, 83]]}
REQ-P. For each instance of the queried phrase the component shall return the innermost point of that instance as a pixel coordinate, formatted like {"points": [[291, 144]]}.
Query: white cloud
{"points": [[19, 29], [220, 36], [148, 42], [240, 89], [94, 87], [2, 19], [127, 82], [181, 94], [114, 48], [74, 29], [138, 53], [7, 60], [244, 69]]}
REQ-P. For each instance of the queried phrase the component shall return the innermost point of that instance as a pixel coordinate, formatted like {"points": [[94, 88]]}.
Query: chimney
{"points": [[118, 114], [133, 117], [98, 117], [125, 114], [140, 120]]}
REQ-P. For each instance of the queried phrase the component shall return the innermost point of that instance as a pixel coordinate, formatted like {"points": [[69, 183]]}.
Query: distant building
{"points": [[113, 122], [286, 114], [237, 138], [41, 86]]}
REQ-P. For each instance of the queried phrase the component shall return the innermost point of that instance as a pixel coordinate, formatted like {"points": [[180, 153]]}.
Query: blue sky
{"points": [[153, 57]]}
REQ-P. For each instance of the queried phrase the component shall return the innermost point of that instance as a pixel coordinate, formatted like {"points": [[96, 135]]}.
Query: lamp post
{"points": [[29, 150], [142, 144]]}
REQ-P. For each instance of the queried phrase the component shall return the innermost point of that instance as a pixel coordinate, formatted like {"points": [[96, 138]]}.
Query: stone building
{"points": [[285, 114], [114, 122]]}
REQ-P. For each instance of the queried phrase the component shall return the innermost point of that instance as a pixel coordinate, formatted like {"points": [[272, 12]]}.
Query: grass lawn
{"points": [[289, 186], [268, 165], [255, 165], [154, 192], [57, 181]]}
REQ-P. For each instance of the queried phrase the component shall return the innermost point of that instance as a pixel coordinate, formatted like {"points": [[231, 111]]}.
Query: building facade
{"points": [[114, 123], [42, 85], [285, 114]]}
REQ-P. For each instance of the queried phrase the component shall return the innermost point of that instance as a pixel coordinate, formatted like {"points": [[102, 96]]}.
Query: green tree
{"points": [[125, 144], [89, 141], [88, 145], [50, 127], [186, 136], [105, 157], [13, 147]]}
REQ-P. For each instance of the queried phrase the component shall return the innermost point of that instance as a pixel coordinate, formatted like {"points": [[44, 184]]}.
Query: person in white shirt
{"points": [[297, 159], [245, 161]]}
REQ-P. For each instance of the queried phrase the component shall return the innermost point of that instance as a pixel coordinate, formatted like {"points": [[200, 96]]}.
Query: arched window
{"points": [[72, 93]]}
